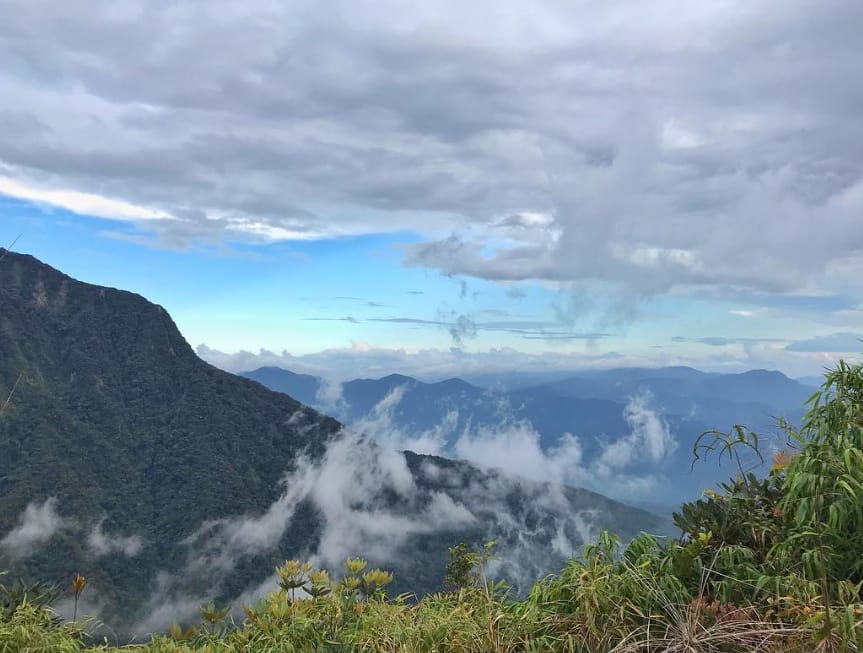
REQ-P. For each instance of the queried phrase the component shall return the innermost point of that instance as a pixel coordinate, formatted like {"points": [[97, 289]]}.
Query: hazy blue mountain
{"points": [[302, 387], [770, 388], [810, 381], [515, 380], [754, 398], [591, 405]]}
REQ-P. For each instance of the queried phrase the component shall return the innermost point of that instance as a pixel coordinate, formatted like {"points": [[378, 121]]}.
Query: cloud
{"points": [[380, 425], [834, 342], [366, 503], [351, 493], [617, 467], [36, 526], [722, 341], [347, 318], [219, 544], [84, 203], [462, 327], [741, 312], [538, 150], [102, 543], [515, 448], [649, 440], [329, 397], [431, 364], [41, 521]]}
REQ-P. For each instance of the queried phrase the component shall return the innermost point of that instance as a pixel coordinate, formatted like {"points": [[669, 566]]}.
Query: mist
{"points": [[37, 525]]}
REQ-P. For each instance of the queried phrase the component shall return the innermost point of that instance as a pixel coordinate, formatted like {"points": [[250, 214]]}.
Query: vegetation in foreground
{"points": [[765, 564]]}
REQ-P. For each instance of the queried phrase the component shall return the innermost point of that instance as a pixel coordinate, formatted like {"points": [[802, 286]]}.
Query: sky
{"points": [[441, 188]]}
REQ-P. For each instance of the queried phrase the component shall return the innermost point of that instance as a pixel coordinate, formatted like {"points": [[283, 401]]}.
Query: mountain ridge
{"points": [[595, 406]]}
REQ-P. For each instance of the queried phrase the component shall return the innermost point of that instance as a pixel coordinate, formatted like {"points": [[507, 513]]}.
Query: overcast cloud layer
{"points": [[642, 146]]}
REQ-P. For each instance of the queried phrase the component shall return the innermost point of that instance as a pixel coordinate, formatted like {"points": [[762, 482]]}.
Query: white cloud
{"points": [[78, 202], [618, 468], [577, 142], [102, 543], [750, 312], [380, 424], [515, 448], [340, 364], [36, 526], [649, 440]]}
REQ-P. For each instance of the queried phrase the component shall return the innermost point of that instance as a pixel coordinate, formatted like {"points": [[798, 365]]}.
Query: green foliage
{"points": [[823, 491], [467, 566], [745, 513], [19, 592], [33, 628], [459, 568], [728, 445]]}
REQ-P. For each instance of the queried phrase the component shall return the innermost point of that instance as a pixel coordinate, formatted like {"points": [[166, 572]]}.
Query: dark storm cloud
{"points": [[691, 144]]}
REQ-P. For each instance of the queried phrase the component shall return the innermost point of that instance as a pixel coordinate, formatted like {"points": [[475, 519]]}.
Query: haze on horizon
{"points": [[437, 188]]}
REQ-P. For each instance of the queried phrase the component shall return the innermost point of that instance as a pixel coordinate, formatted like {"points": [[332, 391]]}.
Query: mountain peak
{"points": [[453, 384], [396, 379]]}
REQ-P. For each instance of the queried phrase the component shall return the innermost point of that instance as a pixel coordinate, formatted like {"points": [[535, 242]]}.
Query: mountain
{"points": [[116, 418], [595, 406], [168, 482], [810, 381], [770, 388], [302, 387], [755, 398]]}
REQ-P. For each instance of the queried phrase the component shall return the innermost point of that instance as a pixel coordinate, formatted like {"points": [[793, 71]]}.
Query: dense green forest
{"points": [[763, 564]]}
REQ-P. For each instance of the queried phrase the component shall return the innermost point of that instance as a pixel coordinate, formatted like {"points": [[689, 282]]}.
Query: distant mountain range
{"points": [[810, 381], [590, 405], [168, 482]]}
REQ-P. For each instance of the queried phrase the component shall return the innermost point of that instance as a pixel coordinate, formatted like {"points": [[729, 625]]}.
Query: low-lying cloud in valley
{"points": [[512, 444], [103, 543], [41, 521], [36, 526]]}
